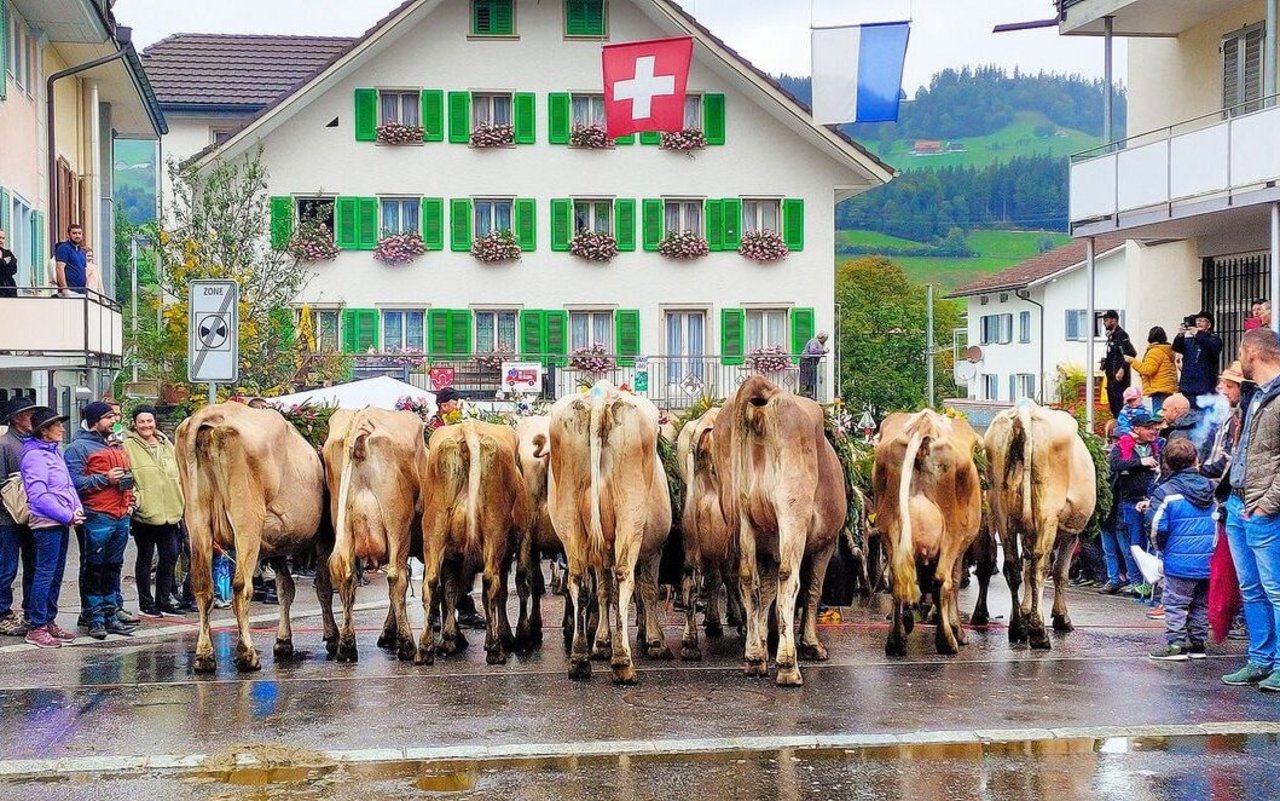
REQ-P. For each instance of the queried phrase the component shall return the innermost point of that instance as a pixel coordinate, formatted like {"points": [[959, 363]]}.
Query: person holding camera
{"points": [[1115, 364], [1200, 349], [99, 468]]}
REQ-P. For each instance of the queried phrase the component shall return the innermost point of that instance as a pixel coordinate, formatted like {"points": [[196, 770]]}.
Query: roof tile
{"points": [[1038, 267]]}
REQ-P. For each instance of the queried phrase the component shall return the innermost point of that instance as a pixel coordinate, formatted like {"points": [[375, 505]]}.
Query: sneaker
{"points": [[149, 612], [1157, 613], [41, 638], [59, 632], [1110, 588], [472, 620], [98, 631], [11, 625], [1271, 683], [1251, 673], [169, 611], [1173, 652], [1197, 651], [114, 626], [126, 618], [218, 603], [1142, 590]]}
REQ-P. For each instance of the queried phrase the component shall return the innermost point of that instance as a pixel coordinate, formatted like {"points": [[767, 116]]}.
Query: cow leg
{"points": [[241, 592], [390, 628], [985, 546], [526, 566], [397, 626], [1061, 569], [200, 545], [624, 578], [285, 591], [689, 595], [755, 656], [566, 620], [323, 583], [497, 631], [341, 566], [538, 591], [734, 614], [605, 598], [579, 656], [1013, 577], [1035, 566], [811, 646], [457, 580], [943, 590], [791, 546], [712, 614], [650, 627], [431, 564]]}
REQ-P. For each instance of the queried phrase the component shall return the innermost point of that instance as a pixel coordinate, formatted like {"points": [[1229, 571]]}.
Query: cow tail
{"points": [[540, 446], [473, 488], [596, 438], [219, 441], [1024, 420], [356, 450], [906, 586]]}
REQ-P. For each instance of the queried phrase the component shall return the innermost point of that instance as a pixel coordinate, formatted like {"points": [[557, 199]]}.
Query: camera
{"points": [[1189, 321], [126, 481]]}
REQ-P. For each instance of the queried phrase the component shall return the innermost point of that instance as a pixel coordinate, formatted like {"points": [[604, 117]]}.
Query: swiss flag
{"points": [[644, 85]]}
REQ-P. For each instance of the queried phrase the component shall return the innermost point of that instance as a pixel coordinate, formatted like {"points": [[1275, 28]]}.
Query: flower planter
{"points": [[396, 249], [495, 247], [685, 245], [397, 134], [590, 137], [594, 246], [486, 136], [493, 359], [593, 360], [770, 360], [313, 242], [763, 246], [686, 141]]}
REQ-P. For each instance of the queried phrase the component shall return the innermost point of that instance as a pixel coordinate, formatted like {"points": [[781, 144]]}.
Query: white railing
{"points": [[40, 323], [1217, 154]]}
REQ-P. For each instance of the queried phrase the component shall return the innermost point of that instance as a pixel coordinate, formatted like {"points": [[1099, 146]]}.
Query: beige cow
{"points": [[1043, 492], [252, 484], [781, 482], [608, 497], [374, 461]]}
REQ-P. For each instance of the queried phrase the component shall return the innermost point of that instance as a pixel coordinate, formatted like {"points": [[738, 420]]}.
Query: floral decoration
{"points": [[493, 359], [593, 245], [416, 405], [763, 246], [685, 141], [769, 359], [495, 135], [683, 245], [592, 137], [394, 133], [592, 359], [399, 248], [496, 246], [313, 241]]}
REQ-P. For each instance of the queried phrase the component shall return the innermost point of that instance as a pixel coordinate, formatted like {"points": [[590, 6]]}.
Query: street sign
{"points": [[213, 338]]}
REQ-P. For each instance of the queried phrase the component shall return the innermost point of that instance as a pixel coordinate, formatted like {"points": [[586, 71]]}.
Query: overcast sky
{"points": [[774, 34]]}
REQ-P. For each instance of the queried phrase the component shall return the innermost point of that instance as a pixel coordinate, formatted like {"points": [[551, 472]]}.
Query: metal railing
{"points": [[67, 328]]}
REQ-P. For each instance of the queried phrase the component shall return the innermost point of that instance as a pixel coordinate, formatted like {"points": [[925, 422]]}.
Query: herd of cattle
{"points": [[764, 509]]}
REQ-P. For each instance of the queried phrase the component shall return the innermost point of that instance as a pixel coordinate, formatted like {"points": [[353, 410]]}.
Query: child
{"points": [[1132, 405], [1179, 517]]}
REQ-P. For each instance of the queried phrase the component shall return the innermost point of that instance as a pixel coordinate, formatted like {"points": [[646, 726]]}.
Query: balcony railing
{"points": [[1221, 154], [43, 329]]}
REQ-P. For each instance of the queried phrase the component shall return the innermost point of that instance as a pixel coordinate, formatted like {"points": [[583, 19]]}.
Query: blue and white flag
{"points": [[857, 72]]}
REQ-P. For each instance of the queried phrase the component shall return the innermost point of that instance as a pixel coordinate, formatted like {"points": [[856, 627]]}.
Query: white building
{"points": [[451, 65]]}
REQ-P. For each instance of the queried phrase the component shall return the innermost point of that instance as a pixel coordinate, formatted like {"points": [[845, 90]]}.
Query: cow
{"points": [[1043, 492], [374, 461], [609, 502], [534, 435], [928, 509], [252, 484], [710, 544], [782, 487], [474, 510]]}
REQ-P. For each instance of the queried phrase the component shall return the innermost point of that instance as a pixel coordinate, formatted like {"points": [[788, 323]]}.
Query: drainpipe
{"points": [[1108, 116], [94, 212], [1089, 349], [1269, 68], [1026, 295]]}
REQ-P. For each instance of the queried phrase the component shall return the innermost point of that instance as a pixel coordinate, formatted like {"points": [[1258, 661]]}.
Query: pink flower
{"points": [[496, 246], [498, 135], [399, 248], [769, 359], [685, 141], [395, 133], [763, 246], [683, 245], [594, 246], [592, 137]]}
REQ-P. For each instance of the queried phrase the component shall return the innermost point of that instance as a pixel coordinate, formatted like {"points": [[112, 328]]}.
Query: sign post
{"points": [[213, 338]]}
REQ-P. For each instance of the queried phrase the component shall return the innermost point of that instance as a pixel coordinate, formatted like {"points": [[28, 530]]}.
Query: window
{"points": [[584, 18], [766, 328], [587, 110], [997, 329], [761, 215], [990, 387], [684, 215], [1077, 324], [220, 135], [400, 215], [591, 328], [1024, 326], [399, 107], [23, 242], [319, 209], [593, 215], [403, 330], [1242, 68], [493, 17], [1023, 386], [495, 330], [492, 215], [686, 344], [490, 109], [693, 112], [20, 46], [326, 327]]}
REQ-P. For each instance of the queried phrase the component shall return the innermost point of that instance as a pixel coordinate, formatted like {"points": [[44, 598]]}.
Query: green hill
{"points": [[995, 251], [1030, 134]]}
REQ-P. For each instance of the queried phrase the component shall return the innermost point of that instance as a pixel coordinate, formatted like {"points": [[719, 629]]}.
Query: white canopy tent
{"points": [[381, 392]]}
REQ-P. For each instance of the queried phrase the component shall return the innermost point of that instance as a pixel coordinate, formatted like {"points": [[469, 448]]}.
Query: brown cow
{"points": [[474, 510], [252, 484], [540, 538], [374, 460], [608, 497], [928, 508], [782, 485], [1043, 491]]}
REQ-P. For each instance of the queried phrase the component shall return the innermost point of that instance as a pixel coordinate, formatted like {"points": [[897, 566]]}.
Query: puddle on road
{"points": [[447, 782]]}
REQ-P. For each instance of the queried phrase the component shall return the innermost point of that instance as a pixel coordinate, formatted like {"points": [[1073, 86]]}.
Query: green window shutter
{"points": [[4, 49], [433, 115], [629, 139], [460, 332], [559, 117], [346, 215], [368, 214], [561, 224], [439, 332], [624, 223], [523, 108], [801, 330], [492, 17], [793, 223], [281, 221], [40, 236], [368, 323], [359, 330], [584, 17], [460, 117], [433, 223], [713, 211], [5, 224], [626, 329], [555, 336], [460, 224], [349, 331], [531, 333], [650, 137], [732, 335], [525, 210], [653, 213], [366, 115], [732, 223], [713, 118]]}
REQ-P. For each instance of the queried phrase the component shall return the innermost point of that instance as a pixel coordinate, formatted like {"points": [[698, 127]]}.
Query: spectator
{"points": [[1228, 432], [1132, 405], [157, 513], [1134, 462], [69, 258], [55, 507], [1200, 349], [1179, 517], [1260, 317], [447, 401], [1115, 364], [100, 470], [8, 270], [814, 350], [1183, 422], [16, 545], [1156, 368], [92, 273]]}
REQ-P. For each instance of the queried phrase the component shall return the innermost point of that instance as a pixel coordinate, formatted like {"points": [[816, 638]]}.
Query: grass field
{"points": [[1016, 139], [997, 250]]}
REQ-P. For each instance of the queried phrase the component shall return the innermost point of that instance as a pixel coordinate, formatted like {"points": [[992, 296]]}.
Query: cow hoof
{"points": [[580, 669], [497, 656], [283, 649], [945, 646], [204, 663], [406, 650], [1040, 640], [789, 676], [387, 639], [980, 617], [658, 650], [602, 650], [690, 652], [908, 621], [247, 663], [624, 674], [425, 657], [1017, 633], [1062, 623], [895, 646], [713, 629], [331, 647], [758, 668], [816, 652]]}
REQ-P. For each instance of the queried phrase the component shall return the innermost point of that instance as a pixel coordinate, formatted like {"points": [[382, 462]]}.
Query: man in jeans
{"points": [[1135, 463], [1253, 511], [16, 544], [99, 468]]}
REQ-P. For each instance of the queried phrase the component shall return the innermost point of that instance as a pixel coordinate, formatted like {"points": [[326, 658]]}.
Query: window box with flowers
{"points": [[496, 246], [590, 137], [685, 141], [493, 359], [489, 135], [685, 245], [768, 359], [395, 133], [763, 246], [396, 249], [593, 360], [593, 245], [312, 242]]}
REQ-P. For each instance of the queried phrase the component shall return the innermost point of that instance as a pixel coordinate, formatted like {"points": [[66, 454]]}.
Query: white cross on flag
{"points": [[644, 85]]}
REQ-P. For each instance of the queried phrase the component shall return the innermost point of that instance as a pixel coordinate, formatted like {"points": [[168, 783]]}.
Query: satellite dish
{"points": [[973, 353], [964, 372]]}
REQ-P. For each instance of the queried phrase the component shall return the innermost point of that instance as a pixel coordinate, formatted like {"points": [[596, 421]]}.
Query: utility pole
{"points": [[928, 334], [133, 295]]}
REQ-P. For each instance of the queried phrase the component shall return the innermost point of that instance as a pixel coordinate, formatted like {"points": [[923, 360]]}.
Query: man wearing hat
{"points": [[99, 468], [15, 540], [1134, 463], [447, 401], [1228, 432], [1200, 349], [1114, 364]]}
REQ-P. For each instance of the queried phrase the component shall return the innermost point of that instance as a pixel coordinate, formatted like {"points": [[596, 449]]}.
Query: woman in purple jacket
{"points": [[55, 507]]}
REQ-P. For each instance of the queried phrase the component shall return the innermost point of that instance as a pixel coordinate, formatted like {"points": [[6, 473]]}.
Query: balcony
{"points": [[1138, 17], [1177, 182], [41, 331]]}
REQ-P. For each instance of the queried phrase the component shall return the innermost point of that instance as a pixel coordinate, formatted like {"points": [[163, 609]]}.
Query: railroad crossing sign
{"points": [[213, 340]]}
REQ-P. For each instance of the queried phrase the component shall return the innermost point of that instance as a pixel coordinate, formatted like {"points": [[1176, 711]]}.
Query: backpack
{"points": [[14, 495]]}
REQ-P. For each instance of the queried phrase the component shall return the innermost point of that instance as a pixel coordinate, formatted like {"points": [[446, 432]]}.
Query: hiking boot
{"points": [[1197, 651], [126, 618], [1173, 652], [1110, 588], [41, 638], [1251, 673], [98, 631], [11, 625], [114, 626], [1271, 683], [1157, 613]]}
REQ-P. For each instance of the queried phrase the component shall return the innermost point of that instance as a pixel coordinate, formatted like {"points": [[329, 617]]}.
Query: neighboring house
{"points": [[50, 346], [1004, 320], [448, 69], [1200, 190], [926, 147]]}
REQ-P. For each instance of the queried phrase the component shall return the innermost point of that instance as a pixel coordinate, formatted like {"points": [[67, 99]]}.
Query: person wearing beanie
{"points": [[1200, 349], [99, 468]]}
